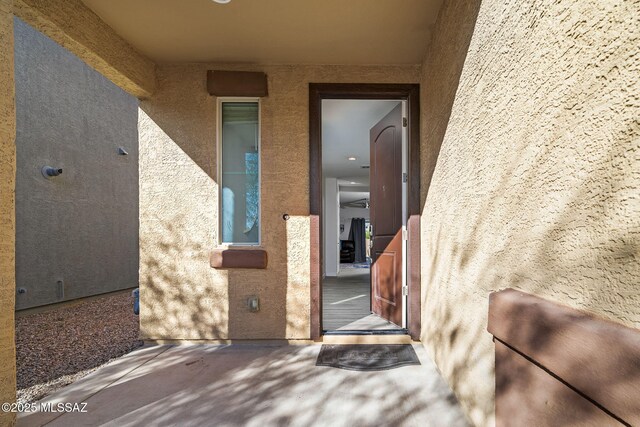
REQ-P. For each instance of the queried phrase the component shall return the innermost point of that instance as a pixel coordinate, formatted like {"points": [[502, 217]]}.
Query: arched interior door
{"points": [[386, 216]]}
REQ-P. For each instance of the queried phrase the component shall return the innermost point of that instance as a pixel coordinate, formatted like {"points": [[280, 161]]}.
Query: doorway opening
{"points": [[350, 144], [364, 190]]}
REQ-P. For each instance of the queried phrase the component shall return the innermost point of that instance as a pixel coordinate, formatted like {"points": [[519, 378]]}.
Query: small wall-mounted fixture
{"points": [[122, 151], [136, 301], [48, 171], [22, 291], [253, 303], [60, 289], [285, 216]]}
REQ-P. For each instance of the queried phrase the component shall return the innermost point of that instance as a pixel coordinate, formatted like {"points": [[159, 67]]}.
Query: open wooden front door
{"points": [[386, 216]]}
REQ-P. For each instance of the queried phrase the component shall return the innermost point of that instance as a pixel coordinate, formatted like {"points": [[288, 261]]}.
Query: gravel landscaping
{"points": [[59, 346]]}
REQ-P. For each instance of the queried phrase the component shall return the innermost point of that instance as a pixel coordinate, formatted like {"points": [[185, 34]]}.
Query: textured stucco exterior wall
{"points": [[7, 212], [181, 296], [74, 26], [537, 182], [82, 226]]}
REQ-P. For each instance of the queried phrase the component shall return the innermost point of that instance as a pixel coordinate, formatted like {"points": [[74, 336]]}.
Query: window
{"points": [[239, 127]]}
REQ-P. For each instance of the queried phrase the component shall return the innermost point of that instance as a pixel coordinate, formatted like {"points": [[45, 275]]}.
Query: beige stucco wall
{"points": [[182, 297], [537, 184], [7, 211]]}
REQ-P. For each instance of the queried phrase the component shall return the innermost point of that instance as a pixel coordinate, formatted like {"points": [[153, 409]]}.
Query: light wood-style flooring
{"points": [[346, 303]]}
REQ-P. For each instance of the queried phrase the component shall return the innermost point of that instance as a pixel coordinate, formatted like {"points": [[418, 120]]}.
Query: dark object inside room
{"points": [[347, 251]]}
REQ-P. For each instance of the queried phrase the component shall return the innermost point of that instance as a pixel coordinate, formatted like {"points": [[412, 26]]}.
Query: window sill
{"points": [[225, 258]]}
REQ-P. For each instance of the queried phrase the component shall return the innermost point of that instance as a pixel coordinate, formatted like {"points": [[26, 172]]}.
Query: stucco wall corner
{"points": [[7, 212], [73, 25]]}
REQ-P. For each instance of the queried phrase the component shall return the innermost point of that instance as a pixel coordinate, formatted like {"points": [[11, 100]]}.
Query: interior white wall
{"points": [[331, 227], [345, 219]]}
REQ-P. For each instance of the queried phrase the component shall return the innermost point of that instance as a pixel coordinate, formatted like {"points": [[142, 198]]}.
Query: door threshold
{"points": [[367, 332], [367, 339]]}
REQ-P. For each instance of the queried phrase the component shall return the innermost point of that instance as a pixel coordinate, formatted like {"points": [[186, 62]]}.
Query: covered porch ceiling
{"points": [[274, 31]]}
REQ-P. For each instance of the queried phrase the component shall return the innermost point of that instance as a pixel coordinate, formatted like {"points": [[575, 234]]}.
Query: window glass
{"points": [[240, 216]]}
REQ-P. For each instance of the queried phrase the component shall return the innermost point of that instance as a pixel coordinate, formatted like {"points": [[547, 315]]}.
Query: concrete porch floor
{"points": [[252, 385]]}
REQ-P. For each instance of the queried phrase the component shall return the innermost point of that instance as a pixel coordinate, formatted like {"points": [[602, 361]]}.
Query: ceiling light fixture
{"points": [[353, 159], [353, 182], [222, 1]]}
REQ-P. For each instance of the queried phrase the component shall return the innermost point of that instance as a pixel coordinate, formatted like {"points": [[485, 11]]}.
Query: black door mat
{"points": [[367, 357]]}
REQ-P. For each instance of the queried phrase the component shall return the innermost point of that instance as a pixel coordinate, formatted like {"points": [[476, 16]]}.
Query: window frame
{"points": [[219, 156]]}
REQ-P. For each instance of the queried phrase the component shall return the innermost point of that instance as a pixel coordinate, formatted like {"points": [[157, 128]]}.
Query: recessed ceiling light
{"points": [[353, 159], [222, 1], [353, 182]]}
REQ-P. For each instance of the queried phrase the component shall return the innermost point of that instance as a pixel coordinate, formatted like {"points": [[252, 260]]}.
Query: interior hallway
{"points": [[346, 303]]}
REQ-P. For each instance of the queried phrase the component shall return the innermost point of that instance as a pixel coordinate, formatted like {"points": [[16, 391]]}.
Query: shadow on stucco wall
{"points": [[580, 210], [442, 334], [182, 296], [173, 305], [440, 78], [464, 344], [533, 188]]}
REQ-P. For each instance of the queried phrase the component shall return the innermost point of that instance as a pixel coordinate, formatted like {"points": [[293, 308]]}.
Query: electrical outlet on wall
{"points": [[253, 303]]}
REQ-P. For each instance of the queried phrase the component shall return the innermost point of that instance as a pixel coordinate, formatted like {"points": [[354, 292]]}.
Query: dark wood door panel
{"points": [[386, 273], [383, 285], [387, 186], [386, 261], [386, 216]]}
